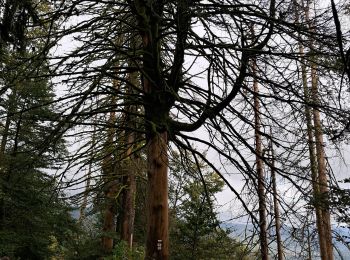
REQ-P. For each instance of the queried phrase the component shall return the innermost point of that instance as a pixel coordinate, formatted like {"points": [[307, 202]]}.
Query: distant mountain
{"points": [[294, 240]]}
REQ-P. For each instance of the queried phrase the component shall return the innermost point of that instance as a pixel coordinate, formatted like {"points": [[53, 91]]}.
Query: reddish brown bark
{"points": [[129, 168], [128, 204], [156, 114], [325, 223], [313, 162], [110, 186], [322, 171], [109, 225], [315, 157], [157, 245]]}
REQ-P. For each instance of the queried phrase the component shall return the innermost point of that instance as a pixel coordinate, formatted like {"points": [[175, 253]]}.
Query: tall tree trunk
{"points": [[309, 251], [129, 161], [128, 203], [313, 161], [275, 203], [157, 246], [129, 167], [260, 170], [110, 185], [157, 106], [109, 225], [157, 241], [111, 190], [322, 170], [110, 165], [311, 145], [320, 153]]}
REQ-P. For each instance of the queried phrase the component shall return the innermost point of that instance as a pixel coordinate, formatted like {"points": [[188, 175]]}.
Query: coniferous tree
{"points": [[195, 227], [35, 221], [174, 97]]}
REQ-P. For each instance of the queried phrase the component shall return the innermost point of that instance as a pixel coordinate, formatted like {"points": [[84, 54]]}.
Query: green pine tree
{"points": [[34, 221], [195, 231]]}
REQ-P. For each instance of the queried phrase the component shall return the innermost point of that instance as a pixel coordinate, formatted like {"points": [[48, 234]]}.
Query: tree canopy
{"points": [[108, 93]]}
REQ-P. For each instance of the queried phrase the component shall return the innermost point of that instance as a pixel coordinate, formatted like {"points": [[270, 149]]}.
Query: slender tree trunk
{"points": [[260, 170], [322, 170], [309, 252], [313, 161], [311, 145], [275, 203], [127, 231], [129, 168], [320, 153], [128, 204], [111, 190], [110, 185], [109, 225]]}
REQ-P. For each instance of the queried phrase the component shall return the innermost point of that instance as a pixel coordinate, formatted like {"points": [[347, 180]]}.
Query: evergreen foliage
{"points": [[142, 77], [195, 231], [35, 222]]}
